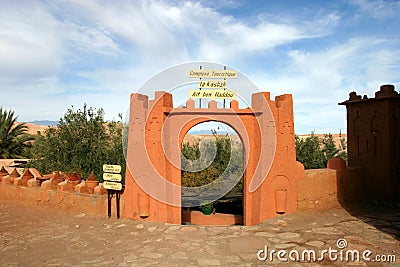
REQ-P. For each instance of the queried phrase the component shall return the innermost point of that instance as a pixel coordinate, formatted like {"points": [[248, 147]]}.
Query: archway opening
{"points": [[212, 153]]}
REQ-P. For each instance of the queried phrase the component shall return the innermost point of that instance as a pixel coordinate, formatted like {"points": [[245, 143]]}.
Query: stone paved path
{"points": [[43, 236]]}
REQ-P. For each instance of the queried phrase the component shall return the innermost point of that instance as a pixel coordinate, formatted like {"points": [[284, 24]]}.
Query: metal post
{"points": [[200, 90], [225, 86], [117, 197], [109, 202]]}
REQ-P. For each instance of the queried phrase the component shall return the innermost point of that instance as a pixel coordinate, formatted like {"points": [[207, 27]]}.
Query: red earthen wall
{"points": [[319, 189], [373, 140], [76, 202], [156, 132]]}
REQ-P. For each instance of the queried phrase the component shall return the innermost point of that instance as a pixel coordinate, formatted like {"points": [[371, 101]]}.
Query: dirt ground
{"points": [[43, 236]]}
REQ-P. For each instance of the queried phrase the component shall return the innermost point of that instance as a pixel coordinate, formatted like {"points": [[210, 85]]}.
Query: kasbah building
{"points": [[371, 174], [163, 233]]}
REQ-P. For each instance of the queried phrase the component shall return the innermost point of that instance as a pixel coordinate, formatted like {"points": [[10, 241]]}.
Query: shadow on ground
{"points": [[383, 216]]}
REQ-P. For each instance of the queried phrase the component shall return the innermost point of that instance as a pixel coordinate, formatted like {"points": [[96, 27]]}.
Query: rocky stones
{"points": [[288, 235], [95, 240], [315, 243], [326, 230]]}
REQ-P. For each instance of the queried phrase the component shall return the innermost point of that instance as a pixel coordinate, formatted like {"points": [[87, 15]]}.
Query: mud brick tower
{"points": [[373, 140]]}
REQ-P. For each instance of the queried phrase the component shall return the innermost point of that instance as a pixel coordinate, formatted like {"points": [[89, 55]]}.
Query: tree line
{"points": [[314, 152], [82, 142]]}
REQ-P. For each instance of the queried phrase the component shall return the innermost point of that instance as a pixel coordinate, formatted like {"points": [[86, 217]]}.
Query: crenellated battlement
{"points": [[385, 91], [55, 189], [164, 100]]}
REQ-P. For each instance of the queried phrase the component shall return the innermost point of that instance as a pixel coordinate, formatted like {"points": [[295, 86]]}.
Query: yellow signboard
{"points": [[212, 84], [217, 94], [216, 74], [112, 185], [114, 177], [112, 168]]}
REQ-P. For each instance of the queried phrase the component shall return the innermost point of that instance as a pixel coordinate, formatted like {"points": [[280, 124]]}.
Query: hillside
{"points": [[34, 129], [44, 122]]}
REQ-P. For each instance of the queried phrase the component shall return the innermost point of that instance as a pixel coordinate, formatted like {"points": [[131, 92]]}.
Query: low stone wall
{"points": [[30, 188], [327, 188], [318, 190], [91, 204]]}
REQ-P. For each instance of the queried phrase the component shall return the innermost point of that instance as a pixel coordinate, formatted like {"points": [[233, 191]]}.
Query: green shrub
{"points": [[81, 143], [314, 152], [219, 163]]}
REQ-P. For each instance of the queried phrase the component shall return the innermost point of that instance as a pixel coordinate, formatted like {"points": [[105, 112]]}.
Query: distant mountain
{"points": [[44, 123], [200, 132], [209, 132]]}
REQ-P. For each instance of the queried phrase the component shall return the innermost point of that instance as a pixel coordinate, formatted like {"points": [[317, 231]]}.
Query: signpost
{"points": [[112, 185], [112, 182], [212, 84], [218, 83], [214, 74], [113, 177], [112, 168], [216, 94]]}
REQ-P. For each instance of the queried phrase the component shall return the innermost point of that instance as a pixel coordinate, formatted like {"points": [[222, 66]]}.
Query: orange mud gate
{"points": [[156, 131]]}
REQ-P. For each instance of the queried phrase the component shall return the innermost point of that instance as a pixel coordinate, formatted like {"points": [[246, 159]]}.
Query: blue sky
{"points": [[54, 54]]}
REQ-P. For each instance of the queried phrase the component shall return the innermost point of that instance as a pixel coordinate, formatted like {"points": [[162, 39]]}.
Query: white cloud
{"points": [[89, 39], [237, 39], [172, 33], [75, 51], [379, 8], [141, 25], [319, 80], [30, 45]]}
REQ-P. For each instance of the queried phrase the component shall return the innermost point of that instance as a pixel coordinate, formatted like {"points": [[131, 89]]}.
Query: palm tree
{"points": [[13, 136]]}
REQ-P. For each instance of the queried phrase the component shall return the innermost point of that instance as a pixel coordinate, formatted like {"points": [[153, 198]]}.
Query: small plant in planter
{"points": [[207, 207]]}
